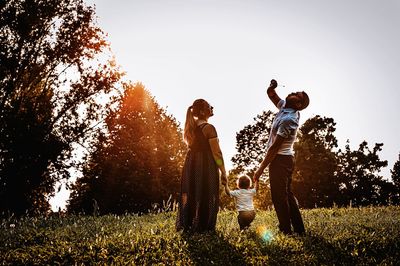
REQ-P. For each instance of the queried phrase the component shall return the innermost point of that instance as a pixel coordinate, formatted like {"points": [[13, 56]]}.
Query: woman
{"points": [[199, 198]]}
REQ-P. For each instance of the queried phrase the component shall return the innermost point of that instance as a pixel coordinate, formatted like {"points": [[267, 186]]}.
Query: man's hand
{"points": [[272, 93], [256, 185], [257, 174], [273, 84]]}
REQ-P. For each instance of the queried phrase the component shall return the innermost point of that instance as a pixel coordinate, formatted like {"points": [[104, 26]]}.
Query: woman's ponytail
{"points": [[190, 125], [193, 111]]}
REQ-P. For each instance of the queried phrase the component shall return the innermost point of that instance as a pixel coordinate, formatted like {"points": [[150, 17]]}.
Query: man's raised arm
{"points": [[272, 93]]}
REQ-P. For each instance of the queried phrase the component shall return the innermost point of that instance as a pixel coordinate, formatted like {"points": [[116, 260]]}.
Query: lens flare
{"points": [[265, 234]]}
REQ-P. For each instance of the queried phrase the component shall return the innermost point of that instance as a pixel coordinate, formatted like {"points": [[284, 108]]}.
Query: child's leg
{"points": [[245, 218]]}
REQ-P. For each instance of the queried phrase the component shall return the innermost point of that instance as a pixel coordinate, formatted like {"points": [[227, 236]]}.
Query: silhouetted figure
{"points": [[280, 158], [199, 198]]}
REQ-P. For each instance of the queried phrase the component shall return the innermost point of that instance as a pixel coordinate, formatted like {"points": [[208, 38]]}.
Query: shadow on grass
{"points": [[212, 249], [352, 252], [325, 252], [303, 250]]}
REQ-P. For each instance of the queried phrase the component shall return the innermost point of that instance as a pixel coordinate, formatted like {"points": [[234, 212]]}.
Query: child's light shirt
{"points": [[244, 198]]}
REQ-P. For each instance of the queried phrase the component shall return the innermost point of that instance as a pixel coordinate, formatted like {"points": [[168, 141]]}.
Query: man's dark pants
{"points": [[285, 203]]}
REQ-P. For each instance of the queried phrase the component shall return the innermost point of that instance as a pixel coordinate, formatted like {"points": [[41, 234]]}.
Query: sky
{"points": [[343, 53]]}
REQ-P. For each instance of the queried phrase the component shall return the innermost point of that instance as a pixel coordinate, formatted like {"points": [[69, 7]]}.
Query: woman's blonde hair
{"points": [[190, 124]]}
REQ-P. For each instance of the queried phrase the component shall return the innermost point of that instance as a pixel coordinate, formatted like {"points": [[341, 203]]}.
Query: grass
{"points": [[348, 236]]}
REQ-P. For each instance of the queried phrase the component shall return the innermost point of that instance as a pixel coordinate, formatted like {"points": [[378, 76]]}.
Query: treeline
{"points": [[56, 94], [324, 175]]}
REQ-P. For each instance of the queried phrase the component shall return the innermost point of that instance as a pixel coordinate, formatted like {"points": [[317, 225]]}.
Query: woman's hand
{"points": [[224, 179], [227, 190]]}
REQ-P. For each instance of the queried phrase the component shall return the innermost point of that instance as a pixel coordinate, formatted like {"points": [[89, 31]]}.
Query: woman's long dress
{"points": [[199, 198]]}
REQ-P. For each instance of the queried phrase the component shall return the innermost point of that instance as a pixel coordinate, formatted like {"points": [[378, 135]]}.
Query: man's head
{"points": [[297, 100]]}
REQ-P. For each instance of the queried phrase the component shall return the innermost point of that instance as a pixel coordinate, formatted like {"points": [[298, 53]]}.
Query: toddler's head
{"points": [[244, 182]]}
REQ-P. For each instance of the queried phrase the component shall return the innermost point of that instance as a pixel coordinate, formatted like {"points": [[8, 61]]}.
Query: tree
{"points": [[136, 162], [251, 146], [322, 176], [314, 182], [396, 181], [396, 173], [50, 83], [358, 174]]}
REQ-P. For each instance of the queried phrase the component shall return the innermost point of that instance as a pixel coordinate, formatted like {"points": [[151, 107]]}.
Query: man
{"points": [[280, 158]]}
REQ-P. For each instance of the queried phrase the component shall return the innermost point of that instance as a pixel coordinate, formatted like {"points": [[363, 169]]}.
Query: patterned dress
{"points": [[199, 198]]}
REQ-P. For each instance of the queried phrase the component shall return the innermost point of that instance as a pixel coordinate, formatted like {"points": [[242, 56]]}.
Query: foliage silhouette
{"points": [[136, 162], [396, 181], [50, 81], [314, 182], [323, 176], [358, 174], [251, 146], [251, 143]]}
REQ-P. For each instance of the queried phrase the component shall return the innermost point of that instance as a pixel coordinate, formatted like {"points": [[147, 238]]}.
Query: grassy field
{"points": [[351, 236]]}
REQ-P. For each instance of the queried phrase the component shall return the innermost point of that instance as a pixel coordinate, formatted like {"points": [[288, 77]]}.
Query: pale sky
{"points": [[343, 53]]}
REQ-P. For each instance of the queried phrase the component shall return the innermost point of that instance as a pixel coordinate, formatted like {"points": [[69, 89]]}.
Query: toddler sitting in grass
{"points": [[244, 200]]}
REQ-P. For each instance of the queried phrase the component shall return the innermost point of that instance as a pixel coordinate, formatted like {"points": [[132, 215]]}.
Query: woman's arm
{"points": [[211, 134], [227, 190], [217, 154]]}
